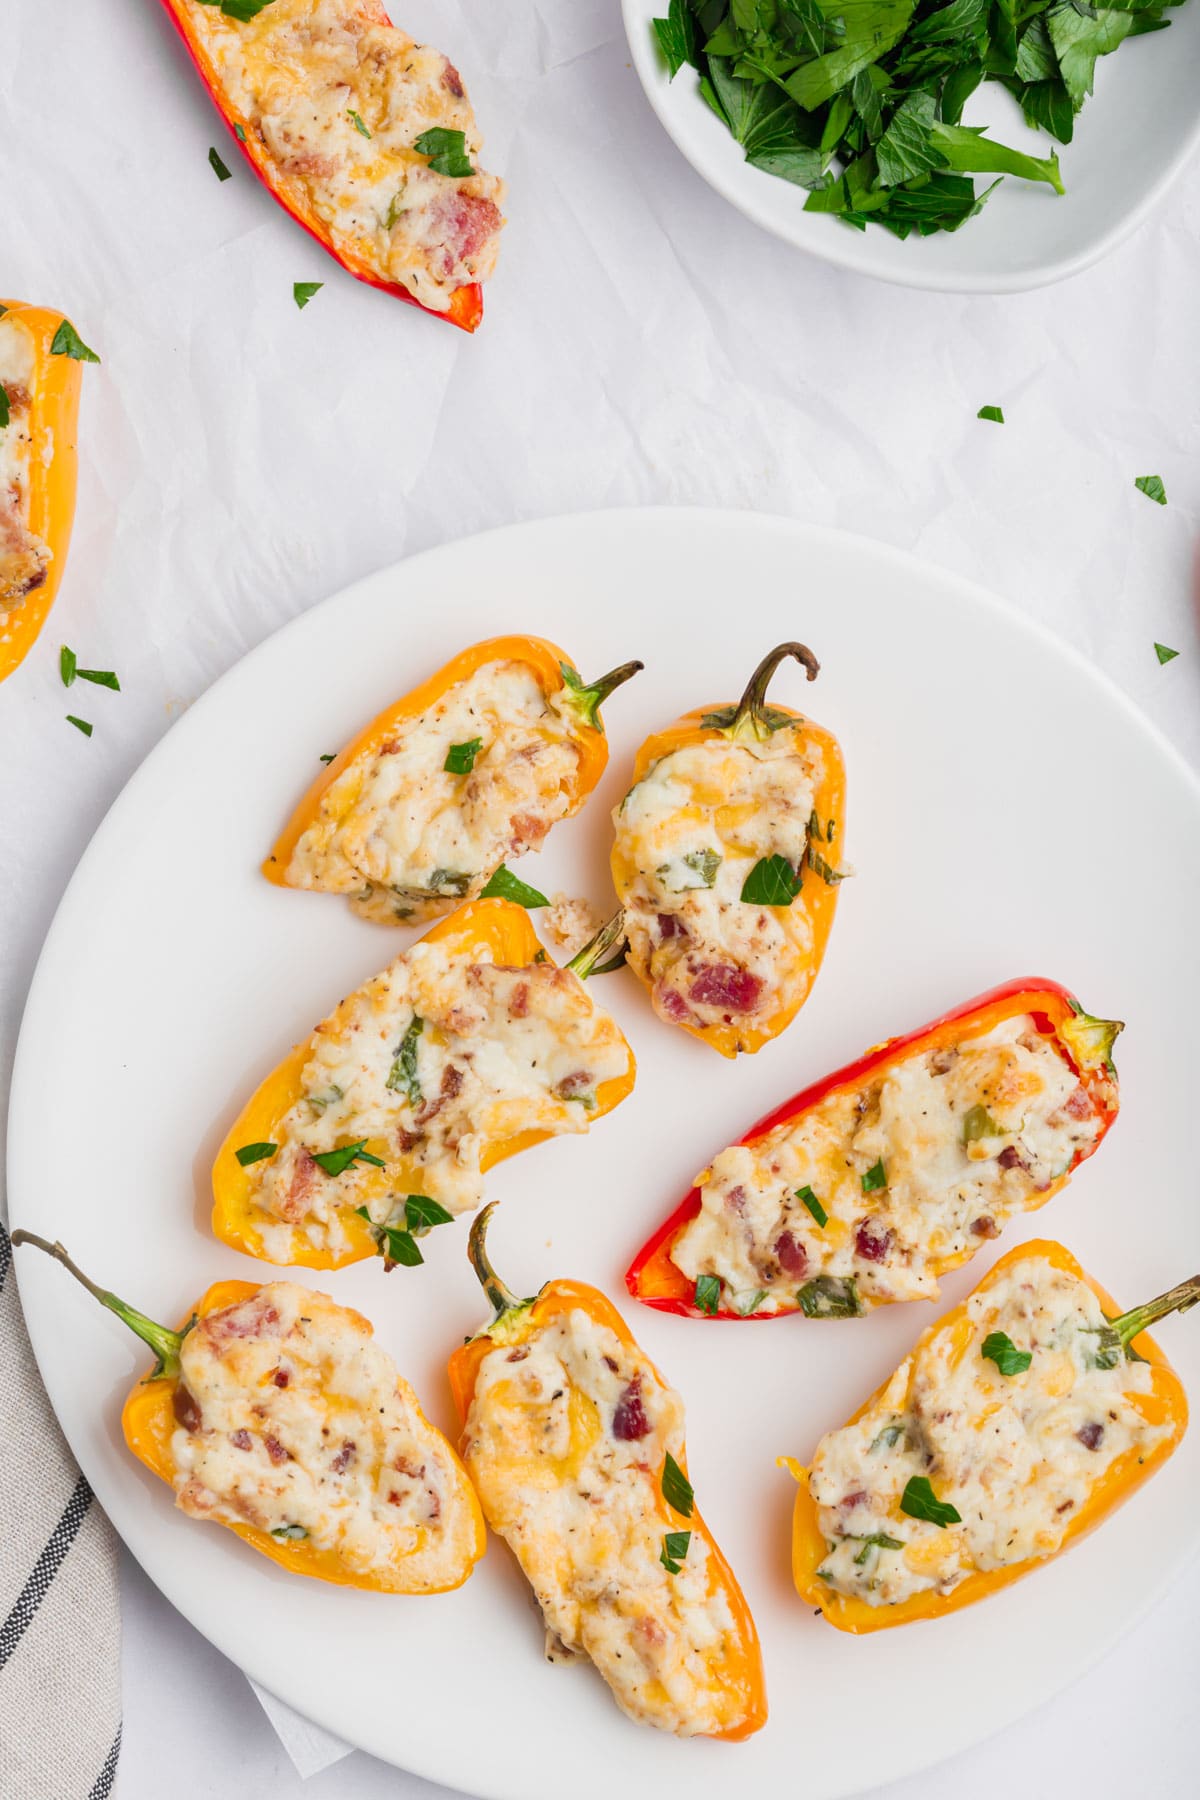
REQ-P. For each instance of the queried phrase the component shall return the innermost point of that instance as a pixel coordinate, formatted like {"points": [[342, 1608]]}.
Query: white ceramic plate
{"points": [[1008, 814], [1132, 139]]}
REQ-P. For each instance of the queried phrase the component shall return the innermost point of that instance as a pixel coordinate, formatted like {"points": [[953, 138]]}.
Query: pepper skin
{"points": [[466, 306], [549, 665], [514, 1323], [1165, 1404], [482, 928], [816, 902], [1087, 1042], [52, 421], [149, 1421]]}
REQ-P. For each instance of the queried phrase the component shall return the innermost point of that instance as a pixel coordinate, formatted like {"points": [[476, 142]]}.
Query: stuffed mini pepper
{"points": [[272, 1412], [40, 376], [470, 1046], [575, 1445], [366, 138], [476, 765], [868, 1186], [725, 859], [1017, 1424]]}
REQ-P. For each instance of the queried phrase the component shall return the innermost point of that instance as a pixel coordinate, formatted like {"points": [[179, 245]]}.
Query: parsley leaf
{"points": [[218, 167], [1152, 487], [676, 1488], [252, 1153], [393, 1243], [674, 1550], [422, 1214], [336, 1162], [878, 1540], [446, 150], [100, 678], [809, 1199], [67, 342], [993, 413], [829, 1297], [303, 291], [771, 882], [875, 1177], [999, 1348], [1164, 653], [5, 414], [504, 885], [66, 665], [356, 120], [329, 756], [708, 1294], [460, 758], [402, 1076], [920, 1502], [80, 724]]}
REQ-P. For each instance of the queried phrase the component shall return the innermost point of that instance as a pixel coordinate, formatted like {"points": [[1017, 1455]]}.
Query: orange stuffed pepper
{"points": [[576, 1446], [1018, 1423], [272, 1412], [476, 764], [40, 378], [725, 860], [469, 1047]]}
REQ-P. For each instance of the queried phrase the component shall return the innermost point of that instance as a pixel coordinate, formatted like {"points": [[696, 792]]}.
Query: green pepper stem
{"points": [[498, 1292], [585, 962], [164, 1342], [1138, 1318], [587, 698], [749, 713]]}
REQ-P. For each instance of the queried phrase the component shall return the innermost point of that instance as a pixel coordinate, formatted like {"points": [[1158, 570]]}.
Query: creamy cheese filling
{"points": [[303, 74], [430, 1062], [918, 1166], [292, 1419], [565, 1441], [408, 838], [23, 557], [1017, 1456], [689, 833]]}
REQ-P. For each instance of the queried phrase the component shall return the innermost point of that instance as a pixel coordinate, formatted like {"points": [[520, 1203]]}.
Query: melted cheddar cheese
{"points": [[430, 1062], [565, 1441], [299, 75], [405, 838], [1016, 1456], [917, 1168], [23, 557], [293, 1420]]}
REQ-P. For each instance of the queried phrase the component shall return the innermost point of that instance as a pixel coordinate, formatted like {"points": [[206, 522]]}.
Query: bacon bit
{"points": [[293, 1202], [872, 1241], [281, 1377], [984, 1227], [1065, 1507], [452, 79], [1010, 1158], [275, 1450], [391, 746], [850, 1501], [435, 1503], [650, 1631], [18, 396], [252, 1318], [402, 1466], [629, 1419], [517, 1355], [943, 1060], [344, 1457], [185, 1407], [726, 985], [310, 164], [452, 1080], [610, 1362], [395, 1499], [527, 831], [407, 1140], [466, 223], [793, 1257], [518, 1006], [241, 1440], [735, 1199], [1078, 1105], [669, 926], [1091, 1435], [671, 1002], [578, 1082]]}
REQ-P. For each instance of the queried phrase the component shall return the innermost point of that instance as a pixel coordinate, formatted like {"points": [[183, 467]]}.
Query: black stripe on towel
{"points": [[45, 1569], [108, 1774]]}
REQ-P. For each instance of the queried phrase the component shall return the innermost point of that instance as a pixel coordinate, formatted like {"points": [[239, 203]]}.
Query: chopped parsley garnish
{"points": [[252, 1153], [771, 882], [993, 413], [218, 167], [703, 865], [999, 1348], [1164, 653], [402, 1076], [336, 1162], [504, 885], [66, 665], [875, 1177], [289, 1533], [329, 756], [674, 1550], [676, 1488], [920, 1502], [67, 342], [356, 120], [446, 150], [460, 758], [239, 132], [829, 1297], [878, 1540], [979, 1123], [422, 1214], [393, 1242], [745, 1307], [817, 863], [5, 415], [100, 678], [303, 291], [807, 1198], [1109, 1349], [708, 1294], [886, 1439], [1152, 487], [80, 724], [450, 881]]}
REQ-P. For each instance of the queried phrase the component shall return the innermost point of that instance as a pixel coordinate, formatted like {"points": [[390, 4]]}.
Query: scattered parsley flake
{"points": [[303, 291], [218, 167], [1152, 487]]}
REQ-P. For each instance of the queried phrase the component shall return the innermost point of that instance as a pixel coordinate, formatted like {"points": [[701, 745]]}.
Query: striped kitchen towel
{"points": [[60, 1624]]}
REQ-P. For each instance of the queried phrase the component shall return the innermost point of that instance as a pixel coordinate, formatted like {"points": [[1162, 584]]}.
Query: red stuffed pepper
{"points": [[876, 1180]]}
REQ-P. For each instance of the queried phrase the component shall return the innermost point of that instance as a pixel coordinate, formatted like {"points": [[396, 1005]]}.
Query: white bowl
{"points": [[1132, 139]]}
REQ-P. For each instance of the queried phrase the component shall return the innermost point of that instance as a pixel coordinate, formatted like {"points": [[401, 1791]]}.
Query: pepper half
{"points": [[491, 931], [334, 795], [1084, 1042], [48, 410], [160, 1405], [534, 1460], [466, 306], [778, 910], [1163, 1406]]}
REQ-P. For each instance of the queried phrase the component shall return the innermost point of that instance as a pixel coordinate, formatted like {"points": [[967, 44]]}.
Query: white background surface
{"points": [[642, 344]]}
